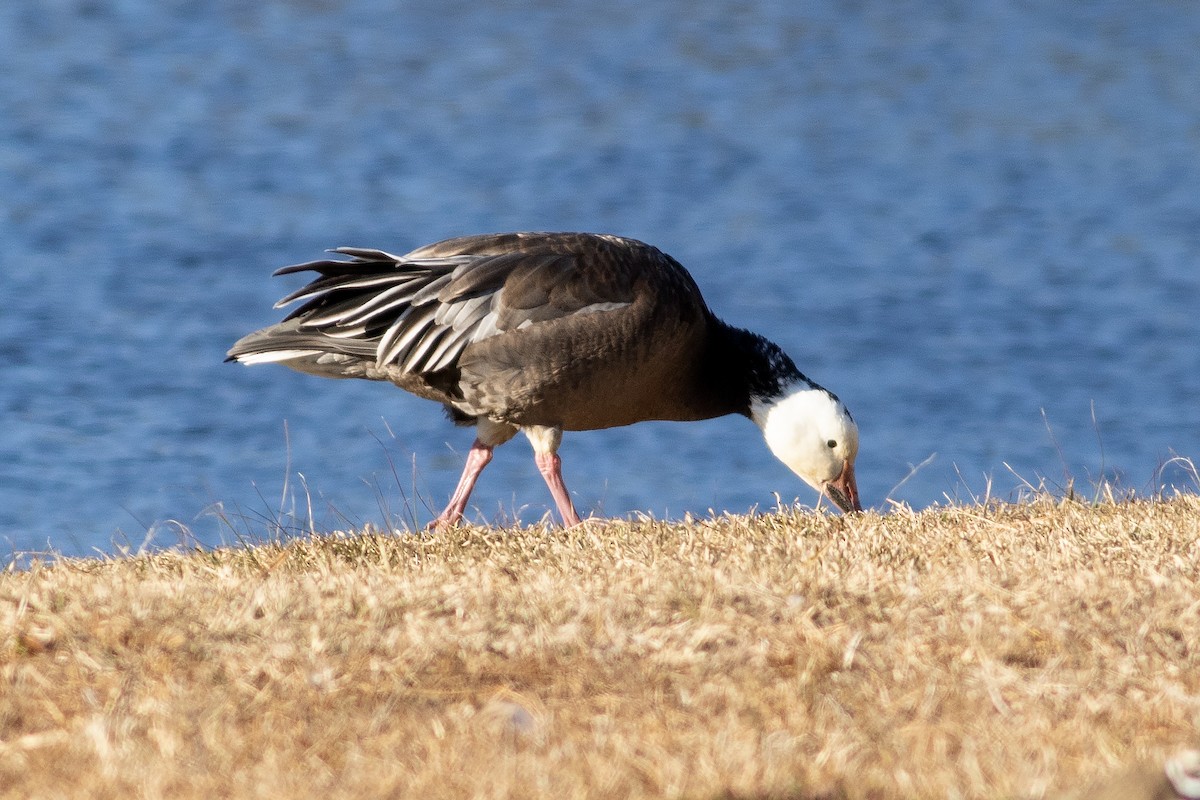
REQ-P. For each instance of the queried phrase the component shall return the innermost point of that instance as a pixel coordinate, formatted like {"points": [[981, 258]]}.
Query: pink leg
{"points": [[478, 458], [550, 465]]}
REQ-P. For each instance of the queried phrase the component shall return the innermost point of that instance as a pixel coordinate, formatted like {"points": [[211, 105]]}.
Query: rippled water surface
{"points": [[979, 225]]}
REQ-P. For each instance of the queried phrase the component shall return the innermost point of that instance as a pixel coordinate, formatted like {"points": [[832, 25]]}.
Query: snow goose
{"points": [[546, 332]]}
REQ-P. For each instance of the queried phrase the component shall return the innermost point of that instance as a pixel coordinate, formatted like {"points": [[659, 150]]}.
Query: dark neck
{"points": [[740, 367]]}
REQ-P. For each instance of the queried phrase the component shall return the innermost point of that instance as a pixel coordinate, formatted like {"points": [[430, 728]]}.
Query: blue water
{"points": [[977, 222]]}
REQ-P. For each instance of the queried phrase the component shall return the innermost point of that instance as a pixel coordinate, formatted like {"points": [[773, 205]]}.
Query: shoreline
{"points": [[1013, 650]]}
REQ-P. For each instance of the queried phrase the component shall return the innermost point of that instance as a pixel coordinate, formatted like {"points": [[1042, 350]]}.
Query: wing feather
{"points": [[449, 350], [409, 327], [324, 285], [464, 313], [381, 304], [416, 358], [421, 311]]}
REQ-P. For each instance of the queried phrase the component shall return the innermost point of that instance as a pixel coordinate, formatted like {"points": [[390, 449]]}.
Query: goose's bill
{"points": [[843, 490]]}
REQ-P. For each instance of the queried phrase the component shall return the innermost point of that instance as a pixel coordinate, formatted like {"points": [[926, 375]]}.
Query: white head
{"points": [[810, 431]]}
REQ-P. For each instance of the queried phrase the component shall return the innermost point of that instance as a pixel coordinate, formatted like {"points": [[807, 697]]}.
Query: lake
{"points": [[978, 223]]}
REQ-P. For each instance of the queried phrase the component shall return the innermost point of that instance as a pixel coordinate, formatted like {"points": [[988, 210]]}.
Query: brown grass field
{"points": [[1041, 649]]}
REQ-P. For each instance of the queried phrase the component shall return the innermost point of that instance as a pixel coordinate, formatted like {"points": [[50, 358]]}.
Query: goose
{"points": [[550, 332]]}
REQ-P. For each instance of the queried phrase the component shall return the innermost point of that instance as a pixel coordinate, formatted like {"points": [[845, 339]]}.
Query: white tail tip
{"points": [[274, 356]]}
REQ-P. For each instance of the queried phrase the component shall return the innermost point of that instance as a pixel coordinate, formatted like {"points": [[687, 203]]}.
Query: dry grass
{"points": [[1011, 651]]}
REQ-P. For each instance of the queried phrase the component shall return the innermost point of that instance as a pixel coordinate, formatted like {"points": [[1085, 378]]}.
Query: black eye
{"points": [[832, 443]]}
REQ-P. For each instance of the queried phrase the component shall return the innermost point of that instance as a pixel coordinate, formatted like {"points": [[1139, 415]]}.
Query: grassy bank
{"points": [[1013, 651]]}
